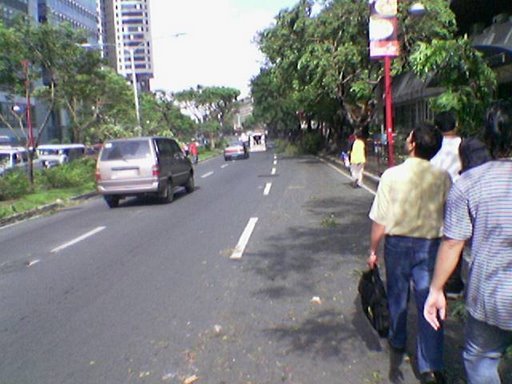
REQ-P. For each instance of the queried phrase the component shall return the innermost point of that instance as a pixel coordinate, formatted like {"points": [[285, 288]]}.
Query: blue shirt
{"points": [[479, 205]]}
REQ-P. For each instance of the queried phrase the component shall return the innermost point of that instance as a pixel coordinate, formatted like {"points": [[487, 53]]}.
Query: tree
{"points": [[319, 65], [210, 106], [467, 80], [162, 117]]}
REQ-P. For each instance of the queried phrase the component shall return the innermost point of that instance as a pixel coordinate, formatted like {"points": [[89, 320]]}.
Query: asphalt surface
{"points": [[153, 295]]}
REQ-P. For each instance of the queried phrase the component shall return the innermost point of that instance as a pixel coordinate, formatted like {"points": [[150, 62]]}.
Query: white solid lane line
{"points": [[207, 174], [78, 239], [244, 239], [266, 191]]}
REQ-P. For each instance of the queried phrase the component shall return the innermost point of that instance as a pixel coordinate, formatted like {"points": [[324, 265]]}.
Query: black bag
{"points": [[374, 301]]}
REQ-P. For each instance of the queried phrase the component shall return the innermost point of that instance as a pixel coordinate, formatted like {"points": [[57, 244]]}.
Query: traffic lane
{"points": [[114, 289], [294, 315]]}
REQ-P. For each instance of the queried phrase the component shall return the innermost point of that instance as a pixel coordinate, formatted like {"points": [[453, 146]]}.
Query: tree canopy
{"points": [[318, 65]]}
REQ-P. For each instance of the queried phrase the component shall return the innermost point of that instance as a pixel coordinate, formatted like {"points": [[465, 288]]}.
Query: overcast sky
{"points": [[217, 47]]}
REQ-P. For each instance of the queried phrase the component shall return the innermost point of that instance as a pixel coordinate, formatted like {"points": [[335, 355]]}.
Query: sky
{"points": [[209, 42]]}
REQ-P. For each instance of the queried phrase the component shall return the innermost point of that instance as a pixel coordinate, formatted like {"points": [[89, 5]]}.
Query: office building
{"points": [[81, 14], [126, 39]]}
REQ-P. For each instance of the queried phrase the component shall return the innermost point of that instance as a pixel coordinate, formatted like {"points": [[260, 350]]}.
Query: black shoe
{"points": [[432, 378]]}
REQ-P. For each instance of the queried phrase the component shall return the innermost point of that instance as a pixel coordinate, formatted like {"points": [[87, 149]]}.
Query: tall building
{"points": [[126, 39], [81, 14], [11, 8]]}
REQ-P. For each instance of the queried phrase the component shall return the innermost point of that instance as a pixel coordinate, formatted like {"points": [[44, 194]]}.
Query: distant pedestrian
{"points": [[192, 148], [448, 158], [479, 209], [357, 159], [407, 214]]}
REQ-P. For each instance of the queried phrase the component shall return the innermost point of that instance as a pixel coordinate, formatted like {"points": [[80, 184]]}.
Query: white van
{"points": [[52, 155], [142, 166], [13, 157]]}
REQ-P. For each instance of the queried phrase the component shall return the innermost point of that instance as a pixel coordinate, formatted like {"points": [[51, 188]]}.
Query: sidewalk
{"points": [[454, 325]]}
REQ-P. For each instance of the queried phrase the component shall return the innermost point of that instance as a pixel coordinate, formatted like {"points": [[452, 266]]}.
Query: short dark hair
{"points": [[498, 129], [472, 153], [445, 121], [428, 140]]}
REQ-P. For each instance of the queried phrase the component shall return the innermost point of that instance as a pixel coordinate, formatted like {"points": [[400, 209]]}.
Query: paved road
{"points": [[250, 279]]}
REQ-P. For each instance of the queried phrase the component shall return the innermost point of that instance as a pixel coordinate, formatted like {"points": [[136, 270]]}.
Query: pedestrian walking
{"points": [[479, 207], [192, 148], [357, 159], [448, 158], [407, 213]]}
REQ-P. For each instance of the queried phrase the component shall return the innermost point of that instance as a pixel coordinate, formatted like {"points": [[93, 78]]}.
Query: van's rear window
{"points": [[124, 150]]}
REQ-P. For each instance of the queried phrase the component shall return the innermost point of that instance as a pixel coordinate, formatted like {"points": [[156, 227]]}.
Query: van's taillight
{"points": [[156, 170], [98, 175]]}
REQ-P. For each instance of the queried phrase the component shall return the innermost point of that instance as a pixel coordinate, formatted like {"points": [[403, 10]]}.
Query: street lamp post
{"points": [[134, 81], [389, 110]]}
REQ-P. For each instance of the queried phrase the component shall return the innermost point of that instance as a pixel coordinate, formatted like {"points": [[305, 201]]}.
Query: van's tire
{"points": [[112, 201], [167, 195], [191, 185]]}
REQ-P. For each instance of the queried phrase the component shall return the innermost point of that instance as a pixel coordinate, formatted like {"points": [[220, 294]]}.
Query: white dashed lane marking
{"points": [[266, 191], [77, 240], [244, 239]]}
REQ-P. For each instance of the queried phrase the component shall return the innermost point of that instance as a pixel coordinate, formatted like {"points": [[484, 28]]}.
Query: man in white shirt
{"points": [[448, 159]]}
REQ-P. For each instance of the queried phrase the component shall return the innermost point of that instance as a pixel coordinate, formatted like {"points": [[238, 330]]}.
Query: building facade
{"points": [[126, 39], [81, 14]]}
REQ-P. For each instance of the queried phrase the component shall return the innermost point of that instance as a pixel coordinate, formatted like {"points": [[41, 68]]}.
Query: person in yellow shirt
{"points": [[357, 159]]}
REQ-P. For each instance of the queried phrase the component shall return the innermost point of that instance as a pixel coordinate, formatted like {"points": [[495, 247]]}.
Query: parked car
{"points": [[52, 155], [142, 166], [236, 150]]}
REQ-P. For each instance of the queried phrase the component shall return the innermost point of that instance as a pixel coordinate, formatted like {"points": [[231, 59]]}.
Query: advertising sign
{"points": [[383, 29]]}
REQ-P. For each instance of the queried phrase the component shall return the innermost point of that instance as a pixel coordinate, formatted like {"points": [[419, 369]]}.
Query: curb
{"points": [[43, 209]]}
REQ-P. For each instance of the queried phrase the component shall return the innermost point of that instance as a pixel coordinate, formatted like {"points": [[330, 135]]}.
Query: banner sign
{"points": [[383, 29]]}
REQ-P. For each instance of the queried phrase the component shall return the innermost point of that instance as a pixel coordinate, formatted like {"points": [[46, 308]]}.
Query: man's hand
{"points": [[372, 260], [435, 308]]}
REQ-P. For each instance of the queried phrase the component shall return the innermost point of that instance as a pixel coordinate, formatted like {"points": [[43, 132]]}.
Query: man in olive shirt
{"points": [[408, 213]]}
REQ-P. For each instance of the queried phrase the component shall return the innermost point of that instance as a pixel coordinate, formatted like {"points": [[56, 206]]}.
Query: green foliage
{"points": [[13, 185], [319, 64], [468, 82], [76, 173], [160, 116], [311, 142]]}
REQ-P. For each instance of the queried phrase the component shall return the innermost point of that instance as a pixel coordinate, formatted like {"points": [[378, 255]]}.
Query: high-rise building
{"points": [[81, 14], [11, 8], [126, 39]]}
